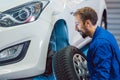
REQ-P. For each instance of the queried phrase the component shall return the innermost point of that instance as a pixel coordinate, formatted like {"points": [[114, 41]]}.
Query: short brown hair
{"points": [[87, 13]]}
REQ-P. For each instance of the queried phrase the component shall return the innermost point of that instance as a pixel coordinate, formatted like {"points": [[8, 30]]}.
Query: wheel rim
{"points": [[80, 66]]}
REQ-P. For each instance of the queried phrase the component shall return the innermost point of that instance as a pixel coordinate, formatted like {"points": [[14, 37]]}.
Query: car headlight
{"points": [[13, 53], [22, 14]]}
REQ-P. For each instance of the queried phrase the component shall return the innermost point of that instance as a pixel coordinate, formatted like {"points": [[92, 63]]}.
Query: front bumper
{"points": [[34, 61]]}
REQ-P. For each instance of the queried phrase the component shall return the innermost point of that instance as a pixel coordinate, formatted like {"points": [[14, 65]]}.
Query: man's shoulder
{"points": [[105, 35], [101, 41]]}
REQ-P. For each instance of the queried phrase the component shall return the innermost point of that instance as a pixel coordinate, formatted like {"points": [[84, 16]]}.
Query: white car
{"points": [[27, 28]]}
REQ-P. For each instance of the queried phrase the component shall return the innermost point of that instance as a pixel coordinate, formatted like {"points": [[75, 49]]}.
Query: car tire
{"points": [[104, 22], [70, 64]]}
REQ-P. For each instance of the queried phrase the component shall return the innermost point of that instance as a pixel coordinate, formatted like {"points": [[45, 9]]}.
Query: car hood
{"points": [[8, 4]]}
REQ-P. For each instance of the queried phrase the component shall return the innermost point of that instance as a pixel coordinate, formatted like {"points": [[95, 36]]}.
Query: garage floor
{"points": [[114, 18]]}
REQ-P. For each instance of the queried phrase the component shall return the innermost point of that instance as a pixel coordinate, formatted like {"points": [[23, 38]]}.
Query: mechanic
{"points": [[103, 55]]}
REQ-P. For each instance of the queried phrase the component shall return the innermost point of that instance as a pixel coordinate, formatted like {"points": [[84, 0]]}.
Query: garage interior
{"points": [[113, 18]]}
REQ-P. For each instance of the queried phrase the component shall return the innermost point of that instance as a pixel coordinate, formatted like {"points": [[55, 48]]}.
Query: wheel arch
{"points": [[58, 40], [60, 30]]}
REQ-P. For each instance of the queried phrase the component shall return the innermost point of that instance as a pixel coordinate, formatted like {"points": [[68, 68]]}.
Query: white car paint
{"points": [[39, 32]]}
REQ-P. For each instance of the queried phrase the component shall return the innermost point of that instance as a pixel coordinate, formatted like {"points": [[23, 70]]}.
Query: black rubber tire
{"points": [[63, 64], [104, 22]]}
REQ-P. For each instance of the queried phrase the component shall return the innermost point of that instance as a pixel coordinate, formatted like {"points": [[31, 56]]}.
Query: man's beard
{"points": [[82, 34]]}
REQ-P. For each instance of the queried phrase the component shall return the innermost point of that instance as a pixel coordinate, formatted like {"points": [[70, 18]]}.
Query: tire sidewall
{"points": [[63, 63]]}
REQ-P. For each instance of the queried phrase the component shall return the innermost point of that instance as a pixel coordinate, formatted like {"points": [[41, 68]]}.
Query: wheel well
{"points": [[104, 19], [58, 40], [105, 14], [59, 35]]}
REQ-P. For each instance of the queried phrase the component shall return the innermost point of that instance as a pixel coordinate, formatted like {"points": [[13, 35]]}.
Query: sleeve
{"points": [[101, 62]]}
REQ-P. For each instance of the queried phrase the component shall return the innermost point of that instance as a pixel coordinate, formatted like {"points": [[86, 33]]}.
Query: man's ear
{"points": [[88, 23]]}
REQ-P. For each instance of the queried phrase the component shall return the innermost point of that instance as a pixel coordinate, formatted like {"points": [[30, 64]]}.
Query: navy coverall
{"points": [[103, 56]]}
